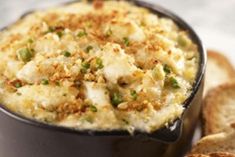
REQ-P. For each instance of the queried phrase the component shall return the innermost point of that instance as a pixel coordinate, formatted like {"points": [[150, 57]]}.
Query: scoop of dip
{"points": [[103, 66]]}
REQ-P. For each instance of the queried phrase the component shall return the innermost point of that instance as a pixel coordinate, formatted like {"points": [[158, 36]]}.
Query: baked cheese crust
{"points": [[104, 66]]}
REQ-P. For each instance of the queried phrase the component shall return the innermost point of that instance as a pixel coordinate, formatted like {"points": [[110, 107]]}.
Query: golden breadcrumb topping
{"points": [[102, 66]]}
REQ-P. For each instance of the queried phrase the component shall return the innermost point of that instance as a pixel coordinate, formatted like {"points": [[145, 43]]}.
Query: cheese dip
{"points": [[104, 66]]}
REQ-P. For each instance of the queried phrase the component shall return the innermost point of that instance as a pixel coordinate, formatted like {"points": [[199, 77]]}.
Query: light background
{"points": [[213, 20]]}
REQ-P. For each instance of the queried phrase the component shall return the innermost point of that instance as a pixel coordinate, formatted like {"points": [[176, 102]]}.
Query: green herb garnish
{"points": [[66, 53], [57, 83], [60, 34], [30, 41], [18, 85], [116, 99], [108, 33], [93, 108], [81, 34], [44, 82], [167, 69], [172, 82], [50, 29], [25, 54], [126, 41], [89, 119], [134, 94], [88, 49], [99, 63], [85, 67], [19, 94]]}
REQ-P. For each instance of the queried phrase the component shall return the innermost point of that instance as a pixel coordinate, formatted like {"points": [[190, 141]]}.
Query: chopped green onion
{"points": [[25, 54], [85, 67], [93, 108], [134, 94], [50, 29], [30, 41], [19, 94], [88, 49], [18, 85], [66, 53], [167, 69], [108, 33], [44, 82], [57, 83], [116, 99], [89, 119], [81, 34], [172, 82], [60, 34], [126, 41], [99, 63]]}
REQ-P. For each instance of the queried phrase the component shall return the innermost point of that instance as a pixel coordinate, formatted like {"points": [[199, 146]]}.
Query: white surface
{"points": [[214, 20], [217, 40]]}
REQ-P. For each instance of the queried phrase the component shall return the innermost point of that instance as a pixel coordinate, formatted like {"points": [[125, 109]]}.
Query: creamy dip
{"points": [[102, 66]]}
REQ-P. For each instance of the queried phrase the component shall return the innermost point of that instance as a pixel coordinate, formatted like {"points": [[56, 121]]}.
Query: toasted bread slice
{"points": [[219, 70], [222, 154], [219, 109], [197, 155], [221, 142]]}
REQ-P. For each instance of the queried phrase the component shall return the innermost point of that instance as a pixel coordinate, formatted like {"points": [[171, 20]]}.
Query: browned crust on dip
{"points": [[98, 67]]}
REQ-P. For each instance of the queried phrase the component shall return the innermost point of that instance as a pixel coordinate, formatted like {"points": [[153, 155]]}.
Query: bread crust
{"points": [[219, 142], [222, 61], [220, 154], [197, 155], [219, 70], [213, 103]]}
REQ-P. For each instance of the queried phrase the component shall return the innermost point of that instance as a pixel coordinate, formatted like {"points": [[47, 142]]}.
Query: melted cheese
{"points": [[116, 63], [97, 67], [97, 93]]}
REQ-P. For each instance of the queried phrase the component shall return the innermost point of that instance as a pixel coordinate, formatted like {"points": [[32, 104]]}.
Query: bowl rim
{"points": [[161, 12]]}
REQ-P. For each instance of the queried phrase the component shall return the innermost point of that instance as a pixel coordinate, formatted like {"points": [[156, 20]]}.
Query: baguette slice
{"points": [[221, 142], [219, 109], [197, 155], [219, 70], [222, 154]]}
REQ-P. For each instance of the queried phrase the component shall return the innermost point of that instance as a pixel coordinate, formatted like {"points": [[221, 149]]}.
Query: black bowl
{"points": [[20, 136]]}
